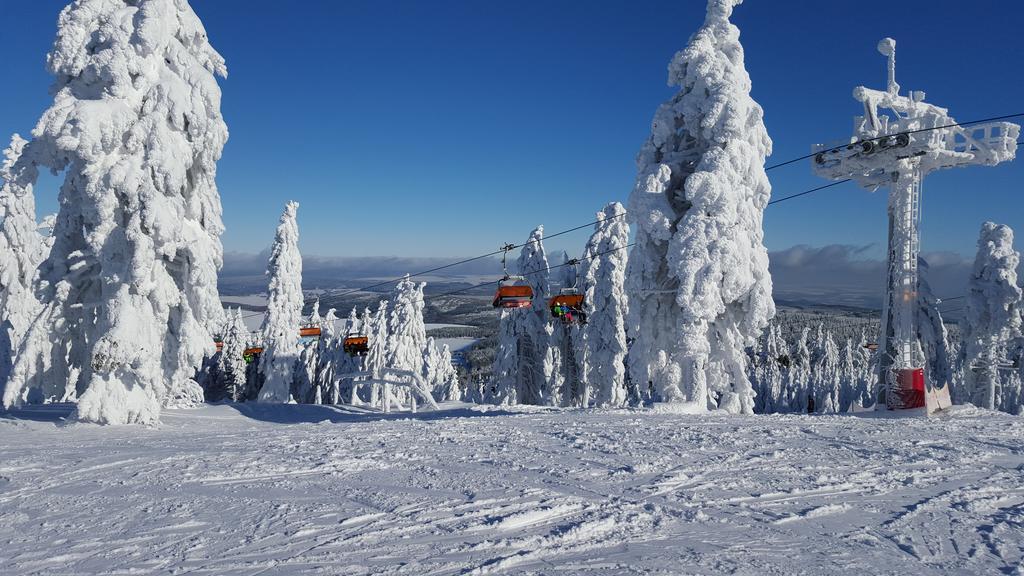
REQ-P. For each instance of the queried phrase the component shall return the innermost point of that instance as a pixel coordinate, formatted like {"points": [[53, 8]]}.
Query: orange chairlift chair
{"points": [[567, 306], [513, 291]]}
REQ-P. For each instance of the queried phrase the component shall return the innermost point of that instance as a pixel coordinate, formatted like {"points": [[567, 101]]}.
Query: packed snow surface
{"points": [[302, 489]]}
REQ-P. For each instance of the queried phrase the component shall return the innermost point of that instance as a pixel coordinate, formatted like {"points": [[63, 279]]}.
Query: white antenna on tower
{"points": [[898, 151]]}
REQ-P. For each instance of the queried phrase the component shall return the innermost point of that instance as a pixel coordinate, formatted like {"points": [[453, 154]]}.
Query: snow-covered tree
{"points": [[931, 331], [698, 281], [440, 375], [848, 396], [769, 373], [331, 359], [130, 284], [505, 374], [826, 377], [993, 312], [232, 363], [377, 347], [565, 359], [607, 304], [284, 310], [867, 373], [518, 373], [407, 334], [533, 322], [800, 375], [22, 248]]}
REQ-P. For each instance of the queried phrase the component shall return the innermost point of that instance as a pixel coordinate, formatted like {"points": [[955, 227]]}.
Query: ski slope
{"points": [[304, 489]]}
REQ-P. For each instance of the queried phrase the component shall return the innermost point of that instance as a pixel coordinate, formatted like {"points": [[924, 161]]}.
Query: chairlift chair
{"points": [[309, 331], [513, 291], [356, 345], [250, 354], [567, 306]]}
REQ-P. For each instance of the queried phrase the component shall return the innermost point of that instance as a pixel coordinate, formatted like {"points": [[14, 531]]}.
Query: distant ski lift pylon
{"points": [[513, 291], [567, 306]]}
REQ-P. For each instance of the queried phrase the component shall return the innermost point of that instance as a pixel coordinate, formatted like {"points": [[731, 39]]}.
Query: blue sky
{"points": [[448, 127]]}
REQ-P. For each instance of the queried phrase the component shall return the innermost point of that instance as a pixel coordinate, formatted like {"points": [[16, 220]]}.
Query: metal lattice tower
{"points": [[895, 144]]}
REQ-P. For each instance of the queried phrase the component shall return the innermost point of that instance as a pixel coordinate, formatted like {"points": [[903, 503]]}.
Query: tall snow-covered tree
{"points": [[22, 248], [533, 322], [503, 387], [698, 280], [993, 312], [407, 334], [284, 311], [607, 304], [377, 347], [518, 373], [565, 360], [131, 281]]}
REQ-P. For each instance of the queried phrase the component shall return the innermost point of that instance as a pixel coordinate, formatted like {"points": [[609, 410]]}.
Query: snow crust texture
{"points": [[304, 489]]}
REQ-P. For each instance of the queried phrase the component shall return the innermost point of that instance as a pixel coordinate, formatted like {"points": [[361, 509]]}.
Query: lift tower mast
{"points": [[897, 151]]}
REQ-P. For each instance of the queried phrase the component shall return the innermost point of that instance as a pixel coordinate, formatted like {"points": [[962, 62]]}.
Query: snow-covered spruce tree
{"points": [[331, 359], [503, 388], [440, 375], [604, 335], [565, 359], [518, 373], [848, 390], [377, 348], [407, 332], [22, 248], [130, 284], [867, 373], [698, 281], [826, 377], [931, 331], [770, 375], [993, 312], [801, 375], [533, 322], [284, 311], [232, 363], [778, 385]]}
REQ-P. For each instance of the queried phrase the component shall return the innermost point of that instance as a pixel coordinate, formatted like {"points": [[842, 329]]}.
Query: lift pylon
{"points": [[895, 144]]}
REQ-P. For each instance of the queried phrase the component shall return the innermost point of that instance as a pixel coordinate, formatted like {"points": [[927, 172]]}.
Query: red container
{"points": [[908, 391]]}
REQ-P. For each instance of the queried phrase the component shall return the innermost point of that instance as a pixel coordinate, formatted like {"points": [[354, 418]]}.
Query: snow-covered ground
{"points": [[306, 489]]}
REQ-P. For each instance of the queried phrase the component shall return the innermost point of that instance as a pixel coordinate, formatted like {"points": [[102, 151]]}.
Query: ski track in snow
{"points": [[320, 490]]}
